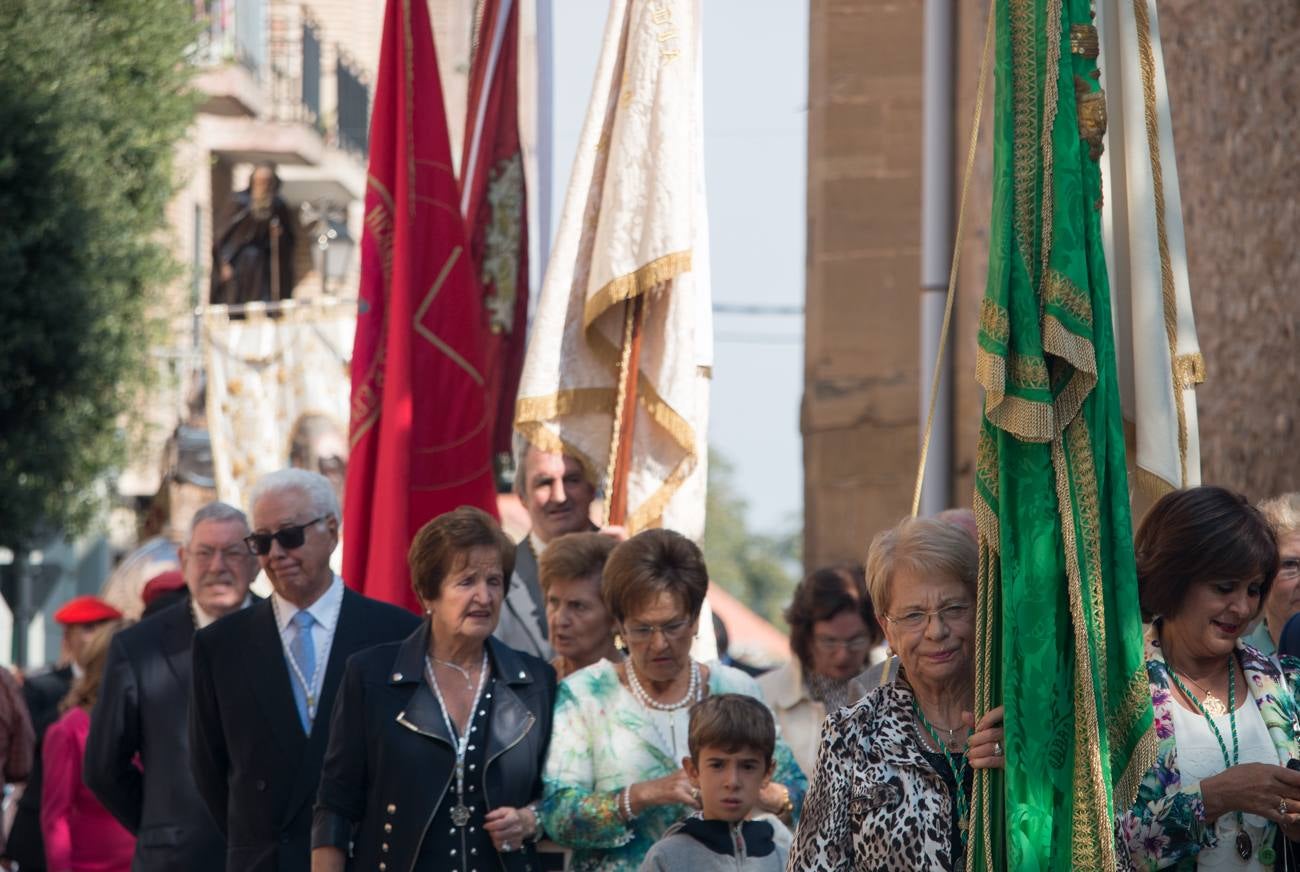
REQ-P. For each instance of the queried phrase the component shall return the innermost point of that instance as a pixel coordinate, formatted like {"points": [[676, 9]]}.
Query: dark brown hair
{"points": [[438, 545], [574, 556], [821, 596], [1196, 535], [732, 722], [654, 562]]}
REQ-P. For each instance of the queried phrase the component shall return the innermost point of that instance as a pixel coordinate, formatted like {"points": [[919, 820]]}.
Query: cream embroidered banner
{"points": [[277, 392], [1159, 359], [634, 223]]}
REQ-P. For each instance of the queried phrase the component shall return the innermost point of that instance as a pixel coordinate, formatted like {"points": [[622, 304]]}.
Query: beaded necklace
{"points": [[1244, 845], [958, 771]]}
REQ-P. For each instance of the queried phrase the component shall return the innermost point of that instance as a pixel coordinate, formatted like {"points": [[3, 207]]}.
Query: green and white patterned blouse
{"points": [[601, 742]]}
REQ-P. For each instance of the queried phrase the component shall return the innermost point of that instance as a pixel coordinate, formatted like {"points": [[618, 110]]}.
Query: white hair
{"points": [[215, 511], [316, 487]]}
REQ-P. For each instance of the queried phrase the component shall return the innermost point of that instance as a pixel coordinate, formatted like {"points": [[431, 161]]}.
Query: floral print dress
{"points": [[602, 741], [1166, 827]]}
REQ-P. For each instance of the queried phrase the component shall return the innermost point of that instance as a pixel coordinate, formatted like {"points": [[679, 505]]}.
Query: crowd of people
{"points": [[545, 711]]}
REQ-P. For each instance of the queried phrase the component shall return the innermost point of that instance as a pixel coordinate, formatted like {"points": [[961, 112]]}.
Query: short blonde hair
{"points": [[1282, 513], [922, 546]]}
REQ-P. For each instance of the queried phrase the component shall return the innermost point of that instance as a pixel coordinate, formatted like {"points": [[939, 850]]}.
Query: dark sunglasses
{"points": [[288, 537]]}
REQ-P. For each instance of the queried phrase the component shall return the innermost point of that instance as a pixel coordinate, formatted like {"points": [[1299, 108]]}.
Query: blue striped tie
{"points": [[303, 653]]}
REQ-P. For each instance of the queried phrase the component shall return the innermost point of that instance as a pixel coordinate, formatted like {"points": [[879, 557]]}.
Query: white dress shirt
{"points": [[326, 612], [203, 619]]}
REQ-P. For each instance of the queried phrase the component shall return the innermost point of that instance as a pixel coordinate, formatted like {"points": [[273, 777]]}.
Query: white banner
{"points": [[1158, 357], [634, 225], [277, 391]]}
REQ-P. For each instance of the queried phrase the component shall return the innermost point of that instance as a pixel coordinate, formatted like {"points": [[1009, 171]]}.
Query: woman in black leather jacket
{"points": [[437, 743]]}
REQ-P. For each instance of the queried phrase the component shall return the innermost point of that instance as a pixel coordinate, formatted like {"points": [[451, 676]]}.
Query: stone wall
{"points": [[860, 369], [1234, 92], [1235, 103]]}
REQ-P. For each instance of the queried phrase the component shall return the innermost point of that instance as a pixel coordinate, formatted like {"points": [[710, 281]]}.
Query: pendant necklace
{"points": [[460, 813], [1243, 844], [958, 768], [469, 680], [1212, 703]]}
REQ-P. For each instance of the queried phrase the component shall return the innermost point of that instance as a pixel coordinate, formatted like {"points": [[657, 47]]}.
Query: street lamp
{"points": [[332, 252]]}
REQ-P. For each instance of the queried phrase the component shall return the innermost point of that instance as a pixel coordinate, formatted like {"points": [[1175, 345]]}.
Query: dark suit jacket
{"points": [[1288, 643], [389, 748], [42, 693], [255, 769], [522, 624], [141, 710]]}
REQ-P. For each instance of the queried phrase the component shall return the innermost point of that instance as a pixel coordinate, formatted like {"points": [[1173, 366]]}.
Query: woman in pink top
{"points": [[80, 834]]}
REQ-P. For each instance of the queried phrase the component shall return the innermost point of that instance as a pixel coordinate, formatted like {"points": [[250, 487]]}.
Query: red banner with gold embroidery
{"points": [[494, 202], [420, 443]]}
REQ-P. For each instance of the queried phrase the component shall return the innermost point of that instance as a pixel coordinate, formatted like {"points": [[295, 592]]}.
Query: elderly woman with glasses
{"points": [[892, 785], [833, 630], [1283, 516], [614, 778]]}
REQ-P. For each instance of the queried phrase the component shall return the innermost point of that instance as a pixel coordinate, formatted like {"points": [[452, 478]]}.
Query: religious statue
{"points": [[252, 257]]}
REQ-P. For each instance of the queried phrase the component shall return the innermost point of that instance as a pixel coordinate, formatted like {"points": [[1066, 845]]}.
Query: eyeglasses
{"points": [[1289, 567], [288, 537], [672, 632], [912, 621], [229, 554], [827, 645]]}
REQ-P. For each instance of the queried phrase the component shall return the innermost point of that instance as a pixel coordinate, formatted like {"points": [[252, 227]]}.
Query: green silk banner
{"points": [[1059, 641]]}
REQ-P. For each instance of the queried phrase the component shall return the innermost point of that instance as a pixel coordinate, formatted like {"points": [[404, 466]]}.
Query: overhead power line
{"points": [[755, 309]]}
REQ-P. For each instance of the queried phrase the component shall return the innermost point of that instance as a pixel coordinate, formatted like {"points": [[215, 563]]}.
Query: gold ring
{"points": [[1281, 805]]}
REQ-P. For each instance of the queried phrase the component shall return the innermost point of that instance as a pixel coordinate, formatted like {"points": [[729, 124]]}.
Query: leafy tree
{"points": [[94, 96], [759, 569]]}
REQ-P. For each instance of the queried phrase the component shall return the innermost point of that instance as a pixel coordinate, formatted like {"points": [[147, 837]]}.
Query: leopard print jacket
{"points": [[875, 804]]}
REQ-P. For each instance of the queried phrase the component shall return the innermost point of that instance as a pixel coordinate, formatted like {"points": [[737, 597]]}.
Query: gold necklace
{"points": [[1212, 703]]}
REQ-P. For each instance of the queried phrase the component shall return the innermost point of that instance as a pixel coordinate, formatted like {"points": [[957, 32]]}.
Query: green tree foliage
{"points": [[760, 569], [94, 96]]}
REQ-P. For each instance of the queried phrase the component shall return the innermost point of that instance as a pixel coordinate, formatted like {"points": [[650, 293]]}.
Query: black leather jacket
{"points": [[390, 759]]}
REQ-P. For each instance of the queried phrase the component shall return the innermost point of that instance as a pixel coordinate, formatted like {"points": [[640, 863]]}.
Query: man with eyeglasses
{"points": [[141, 708], [265, 678]]}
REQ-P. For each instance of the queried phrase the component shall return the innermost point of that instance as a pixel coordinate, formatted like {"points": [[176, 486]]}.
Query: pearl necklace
{"points": [[692, 689]]}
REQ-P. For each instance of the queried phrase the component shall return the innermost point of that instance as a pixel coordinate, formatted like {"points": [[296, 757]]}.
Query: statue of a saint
{"points": [[252, 257]]}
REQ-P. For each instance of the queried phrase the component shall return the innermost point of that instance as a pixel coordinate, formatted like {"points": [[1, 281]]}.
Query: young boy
{"points": [[731, 740]]}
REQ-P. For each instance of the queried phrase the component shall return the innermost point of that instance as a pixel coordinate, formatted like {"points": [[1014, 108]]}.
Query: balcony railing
{"points": [[353, 109], [311, 67], [233, 31], [281, 45]]}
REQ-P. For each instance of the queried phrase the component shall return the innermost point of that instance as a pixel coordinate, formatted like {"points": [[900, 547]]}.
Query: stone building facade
{"points": [[1234, 101]]}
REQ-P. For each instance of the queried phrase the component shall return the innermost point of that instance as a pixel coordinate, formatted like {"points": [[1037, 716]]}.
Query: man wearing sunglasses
{"points": [[265, 678], [142, 703]]}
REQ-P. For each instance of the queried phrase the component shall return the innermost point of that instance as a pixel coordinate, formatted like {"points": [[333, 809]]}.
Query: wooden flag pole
{"points": [[620, 446]]}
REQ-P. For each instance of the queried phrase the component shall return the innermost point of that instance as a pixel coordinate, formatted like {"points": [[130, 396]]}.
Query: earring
{"points": [[619, 643]]}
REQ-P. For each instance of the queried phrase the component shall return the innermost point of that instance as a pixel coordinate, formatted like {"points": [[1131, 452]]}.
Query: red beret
{"points": [[164, 582], [85, 609]]}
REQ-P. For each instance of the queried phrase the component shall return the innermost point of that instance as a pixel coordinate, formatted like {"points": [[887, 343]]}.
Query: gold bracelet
{"points": [[786, 811]]}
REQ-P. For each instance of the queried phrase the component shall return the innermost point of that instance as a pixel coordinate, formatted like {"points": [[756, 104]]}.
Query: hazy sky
{"points": [[755, 132]]}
